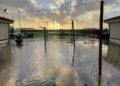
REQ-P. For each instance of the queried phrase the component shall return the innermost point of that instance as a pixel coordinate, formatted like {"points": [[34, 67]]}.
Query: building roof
{"points": [[113, 19], [6, 20]]}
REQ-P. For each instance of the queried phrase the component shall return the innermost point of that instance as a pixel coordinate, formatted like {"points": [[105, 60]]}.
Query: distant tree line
{"points": [[62, 32]]}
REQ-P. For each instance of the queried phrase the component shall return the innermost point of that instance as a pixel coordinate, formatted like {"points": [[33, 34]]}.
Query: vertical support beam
{"points": [[45, 39], [73, 31], [100, 41]]}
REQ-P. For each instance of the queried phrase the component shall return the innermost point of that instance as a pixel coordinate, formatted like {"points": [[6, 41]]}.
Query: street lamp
{"points": [[4, 12], [19, 16]]}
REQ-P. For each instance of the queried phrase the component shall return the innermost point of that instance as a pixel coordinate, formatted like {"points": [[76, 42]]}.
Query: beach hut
{"points": [[4, 38], [114, 26]]}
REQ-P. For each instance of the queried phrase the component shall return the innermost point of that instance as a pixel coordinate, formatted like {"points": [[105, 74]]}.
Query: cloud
{"points": [[59, 11]]}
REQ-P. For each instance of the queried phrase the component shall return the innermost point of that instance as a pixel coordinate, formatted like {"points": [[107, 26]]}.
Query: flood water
{"points": [[33, 65]]}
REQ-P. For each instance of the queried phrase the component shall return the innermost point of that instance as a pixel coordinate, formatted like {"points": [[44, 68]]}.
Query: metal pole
{"points": [[100, 41], [19, 20], [73, 43], [3, 14], [46, 30]]}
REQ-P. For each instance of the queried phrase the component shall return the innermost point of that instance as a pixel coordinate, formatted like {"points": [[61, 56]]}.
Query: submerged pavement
{"points": [[32, 65]]}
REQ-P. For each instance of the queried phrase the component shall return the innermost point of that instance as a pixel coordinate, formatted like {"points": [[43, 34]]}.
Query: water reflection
{"points": [[31, 66], [34, 67], [113, 56]]}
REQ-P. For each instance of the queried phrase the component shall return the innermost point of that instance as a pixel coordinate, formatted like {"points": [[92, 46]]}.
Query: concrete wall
{"points": [[4, 52], [115, 32], [3, 31], [4, 43], [115, 41]]}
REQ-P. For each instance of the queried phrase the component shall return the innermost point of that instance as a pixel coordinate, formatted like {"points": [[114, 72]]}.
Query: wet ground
{"points": [[33, 65]]}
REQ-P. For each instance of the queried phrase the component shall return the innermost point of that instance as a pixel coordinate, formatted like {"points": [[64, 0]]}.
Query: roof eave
{"points": [[111, 21], [7, 21]]}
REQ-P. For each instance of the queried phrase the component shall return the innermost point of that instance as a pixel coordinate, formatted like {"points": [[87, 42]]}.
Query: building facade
{"points": [[4, 38], [114, 26]]}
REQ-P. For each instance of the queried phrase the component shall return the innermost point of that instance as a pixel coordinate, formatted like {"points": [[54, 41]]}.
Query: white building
{"points": [[4, 38], [114, 26]]}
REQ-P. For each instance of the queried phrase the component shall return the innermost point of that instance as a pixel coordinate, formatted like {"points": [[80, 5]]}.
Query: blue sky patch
{"points": [[45, 3]]}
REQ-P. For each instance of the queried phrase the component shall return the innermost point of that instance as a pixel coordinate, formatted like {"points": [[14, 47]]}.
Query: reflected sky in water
{"points": [[31, 66]]}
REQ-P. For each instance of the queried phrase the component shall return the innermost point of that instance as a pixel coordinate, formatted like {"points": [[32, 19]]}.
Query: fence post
{"points": [[73, 40], [45, 39]]}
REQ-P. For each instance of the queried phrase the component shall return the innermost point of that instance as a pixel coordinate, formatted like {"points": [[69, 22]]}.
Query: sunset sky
{"points": [[57, 14]]}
